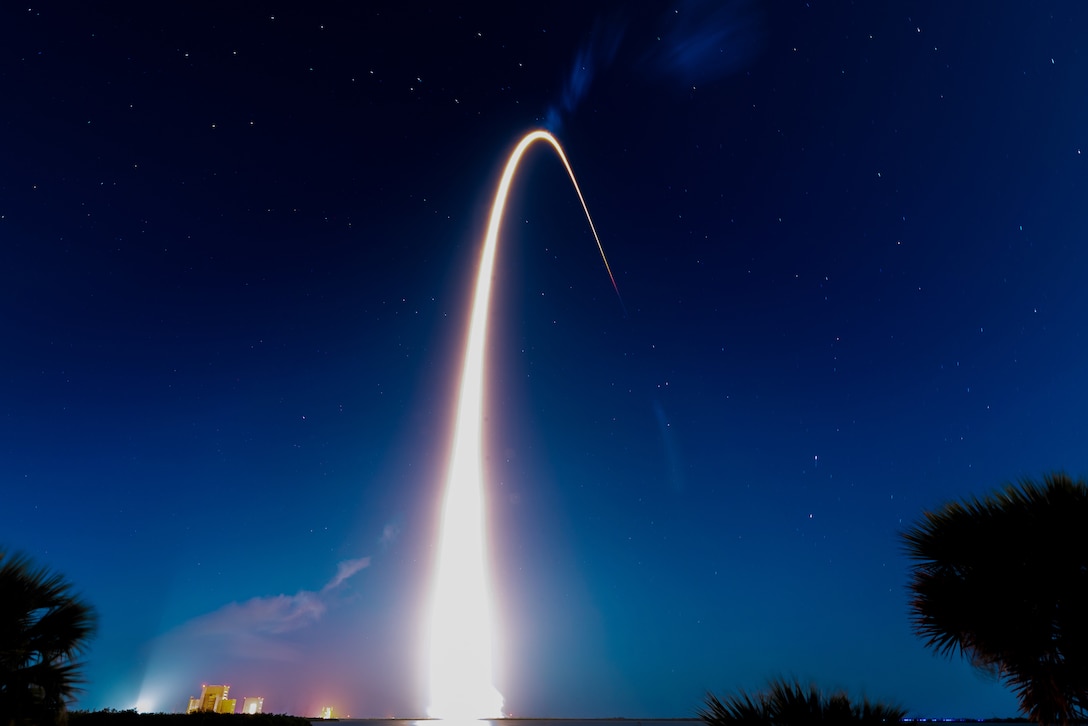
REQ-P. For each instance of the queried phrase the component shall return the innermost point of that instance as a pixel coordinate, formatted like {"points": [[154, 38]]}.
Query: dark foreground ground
{"points": [[131, 718]]}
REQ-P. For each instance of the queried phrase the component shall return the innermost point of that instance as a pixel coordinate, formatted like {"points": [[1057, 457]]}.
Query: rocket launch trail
{"points": [[461, 633]]}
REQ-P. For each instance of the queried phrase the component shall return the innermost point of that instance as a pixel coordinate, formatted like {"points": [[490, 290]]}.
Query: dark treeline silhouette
{"points": [[110, 717], [788, 703]]}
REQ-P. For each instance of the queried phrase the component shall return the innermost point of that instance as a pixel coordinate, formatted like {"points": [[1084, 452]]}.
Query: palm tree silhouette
{"points": [[43, 628], [1003, 581], [788, 703]]}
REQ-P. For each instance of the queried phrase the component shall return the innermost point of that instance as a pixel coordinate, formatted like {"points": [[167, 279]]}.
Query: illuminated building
{"points": [[252, 704], [326, 712], [213, 698]]}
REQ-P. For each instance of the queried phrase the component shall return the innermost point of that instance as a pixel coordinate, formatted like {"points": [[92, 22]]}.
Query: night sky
{"points": [[238, 241]]}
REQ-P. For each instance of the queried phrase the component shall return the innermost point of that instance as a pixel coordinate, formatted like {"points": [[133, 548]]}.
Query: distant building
{"points": [[252, 704], [213, 698]]}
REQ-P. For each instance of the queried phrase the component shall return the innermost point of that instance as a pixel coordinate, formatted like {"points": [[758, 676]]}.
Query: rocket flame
{"points": [[461, 632]]}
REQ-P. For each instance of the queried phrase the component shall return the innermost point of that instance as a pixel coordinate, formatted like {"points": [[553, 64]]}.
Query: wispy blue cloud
{"points": [[693, 42], [595, 55], [700, 41]]}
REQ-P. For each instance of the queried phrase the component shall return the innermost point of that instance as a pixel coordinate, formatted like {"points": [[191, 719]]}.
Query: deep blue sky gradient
{"points": [[850, 241]]}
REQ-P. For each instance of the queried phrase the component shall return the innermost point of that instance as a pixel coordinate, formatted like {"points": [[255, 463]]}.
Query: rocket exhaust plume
{"points": [[461, 638]]}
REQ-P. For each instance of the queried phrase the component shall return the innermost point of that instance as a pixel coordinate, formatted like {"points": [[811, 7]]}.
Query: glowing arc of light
{"points": [[461, 638]]}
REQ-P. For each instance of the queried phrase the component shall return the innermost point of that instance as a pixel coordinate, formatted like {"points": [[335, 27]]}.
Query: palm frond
{"points": [[1014, 557], [43, 627], [789, 703]]}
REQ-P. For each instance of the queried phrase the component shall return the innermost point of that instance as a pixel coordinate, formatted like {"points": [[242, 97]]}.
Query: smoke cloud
{"points": [[239, 643], [346, 569], [249, 628], [691, 43], [596, 54], [701, 41]]}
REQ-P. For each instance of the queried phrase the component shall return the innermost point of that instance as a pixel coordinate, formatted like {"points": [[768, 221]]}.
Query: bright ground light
{"points": [[462, 636]]}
